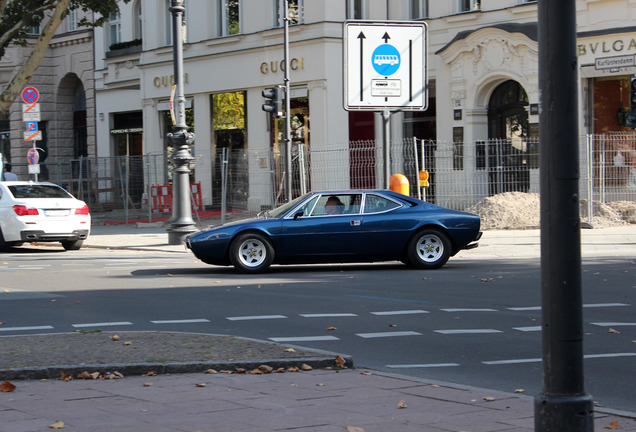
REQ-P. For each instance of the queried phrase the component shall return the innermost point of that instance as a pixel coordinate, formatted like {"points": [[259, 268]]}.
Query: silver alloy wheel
{"points": [[430, 248], [252, 252]]}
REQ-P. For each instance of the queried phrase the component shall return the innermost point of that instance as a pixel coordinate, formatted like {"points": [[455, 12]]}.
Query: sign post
{"points": [[31, 116], [385, 70]]}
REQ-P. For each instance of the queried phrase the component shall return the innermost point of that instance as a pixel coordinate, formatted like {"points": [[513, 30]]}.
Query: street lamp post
{"points": [[181, 223]]}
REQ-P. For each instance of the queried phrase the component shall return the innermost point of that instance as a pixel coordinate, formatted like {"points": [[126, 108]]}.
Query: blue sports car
{"points": [[340, 227]]}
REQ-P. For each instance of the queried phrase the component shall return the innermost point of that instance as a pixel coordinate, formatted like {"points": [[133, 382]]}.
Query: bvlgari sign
{"points": [[606, 50]]}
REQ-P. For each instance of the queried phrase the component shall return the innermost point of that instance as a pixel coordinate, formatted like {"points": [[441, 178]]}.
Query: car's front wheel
{"points": [[251, 253], [429, 249], [72, 244]]}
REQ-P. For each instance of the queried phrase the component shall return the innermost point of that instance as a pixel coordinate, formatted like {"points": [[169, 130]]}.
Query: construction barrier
{"points": [[161, 197]]}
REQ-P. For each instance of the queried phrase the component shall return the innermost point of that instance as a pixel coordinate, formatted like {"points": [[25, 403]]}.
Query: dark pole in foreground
{"points": [[563, 406], [181, 223]]}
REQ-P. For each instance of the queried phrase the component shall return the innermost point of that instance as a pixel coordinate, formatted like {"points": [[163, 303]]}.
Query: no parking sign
{"points": [[33, 156]]}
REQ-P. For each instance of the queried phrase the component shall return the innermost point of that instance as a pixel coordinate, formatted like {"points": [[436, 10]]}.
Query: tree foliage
{"points": [[18, 19]]}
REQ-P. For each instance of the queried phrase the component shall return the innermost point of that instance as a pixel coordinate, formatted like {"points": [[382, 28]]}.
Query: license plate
{"points": [[56, 212]]}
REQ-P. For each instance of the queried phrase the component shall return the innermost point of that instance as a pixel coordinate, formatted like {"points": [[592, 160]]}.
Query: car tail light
{"points": [[82, 211], [21, 210]]}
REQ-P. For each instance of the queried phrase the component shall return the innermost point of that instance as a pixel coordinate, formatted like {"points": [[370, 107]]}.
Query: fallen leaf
{"points": [[340, 362], [366, 373], [355, 429], [7, 387], [489, 398], [290, 350], [240, 371], [401, 404], [293, 369], [280, 370], [611, 330], [58, 425], [88, 376], [150, 373], [486, 279], [519, 390], [332, 328], [306, 367], [201, 385], [65, 377], [256, 372], [613, 425], [147, 384], [128, 343], [114, 338], [265, 368], [210, 371]]}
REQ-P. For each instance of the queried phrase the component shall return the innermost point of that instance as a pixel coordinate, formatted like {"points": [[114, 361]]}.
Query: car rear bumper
{"points": [[41, 236]]}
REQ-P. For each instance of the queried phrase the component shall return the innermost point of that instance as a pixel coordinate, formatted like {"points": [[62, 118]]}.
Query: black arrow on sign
{"points": [[386, 37], [362, 37]]}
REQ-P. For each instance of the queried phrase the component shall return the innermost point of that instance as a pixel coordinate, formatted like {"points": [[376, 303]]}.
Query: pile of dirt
{"points": [[518, 210]]}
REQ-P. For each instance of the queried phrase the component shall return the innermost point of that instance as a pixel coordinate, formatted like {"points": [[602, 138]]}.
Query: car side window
{"points": [[307, 207], [338, 204], [377, 204]]}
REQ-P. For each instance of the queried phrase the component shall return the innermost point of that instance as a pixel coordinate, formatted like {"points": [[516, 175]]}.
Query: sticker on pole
{"points": [[30, 95]]}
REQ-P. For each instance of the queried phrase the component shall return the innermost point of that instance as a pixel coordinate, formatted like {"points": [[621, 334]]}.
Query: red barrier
{"points": [[161, 197]]}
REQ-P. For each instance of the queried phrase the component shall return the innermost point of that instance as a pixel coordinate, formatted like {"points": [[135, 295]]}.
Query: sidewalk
{"points": [[350, 400]]}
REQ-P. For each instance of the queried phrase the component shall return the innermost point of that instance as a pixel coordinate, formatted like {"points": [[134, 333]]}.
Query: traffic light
{"points": [[275, 100], [630, 116]]}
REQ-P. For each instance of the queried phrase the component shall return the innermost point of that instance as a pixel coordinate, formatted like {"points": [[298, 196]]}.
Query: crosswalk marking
{"points": [[613, 324], [255, 317], [468, 310], [528, 329], [400, 312], [388, 334], [468, 331], [26, 328], [304, 339], [328, 315], [183, 321], [422, 365], [102, 324]]}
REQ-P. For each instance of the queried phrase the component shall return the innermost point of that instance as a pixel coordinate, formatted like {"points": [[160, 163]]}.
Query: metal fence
{"points": [[240, 183]]}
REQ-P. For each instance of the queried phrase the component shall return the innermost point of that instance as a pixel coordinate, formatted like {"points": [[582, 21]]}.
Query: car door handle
{"points": [[355, 222]]}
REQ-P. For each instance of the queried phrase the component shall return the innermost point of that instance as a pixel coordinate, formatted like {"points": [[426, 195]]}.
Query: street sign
{"points": [[30, 95], [32, 136], [31, 112], [385, 65], [33, 156]]}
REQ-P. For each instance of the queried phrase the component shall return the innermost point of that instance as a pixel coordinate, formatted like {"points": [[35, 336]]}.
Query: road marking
{"points": [[400, 312], [328, 315], [611, 355], [422, 365], [468, 331], [184, 321], [500, 362], [304, 339], [26, 328], [388, 299], [388, 334], [590, 305], [613, 324], [254, 317], [103, 324], [468, 310], [528, 329]]}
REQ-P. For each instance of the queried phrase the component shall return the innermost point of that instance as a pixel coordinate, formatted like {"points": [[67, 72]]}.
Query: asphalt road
{"points": [[472, 322]]}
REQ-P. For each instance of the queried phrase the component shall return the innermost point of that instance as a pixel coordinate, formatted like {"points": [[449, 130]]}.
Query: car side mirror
{"points": [[299, 214]]}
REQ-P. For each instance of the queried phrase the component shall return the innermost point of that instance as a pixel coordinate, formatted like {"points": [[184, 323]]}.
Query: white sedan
{"points": [[41, 212]]}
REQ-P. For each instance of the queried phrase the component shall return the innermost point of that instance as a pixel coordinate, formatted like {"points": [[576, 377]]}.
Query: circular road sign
{"points": [[30, 95], [33, 156], [386, 59]]}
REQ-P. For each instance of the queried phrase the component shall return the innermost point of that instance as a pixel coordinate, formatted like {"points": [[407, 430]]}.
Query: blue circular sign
{"points": [[386, 59]]}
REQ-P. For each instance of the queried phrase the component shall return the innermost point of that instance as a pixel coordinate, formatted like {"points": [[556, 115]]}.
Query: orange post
{"points": [[400, 184]]}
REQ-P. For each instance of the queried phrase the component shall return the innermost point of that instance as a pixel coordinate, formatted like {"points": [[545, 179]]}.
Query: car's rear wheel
{"points": [[72, 244], [251, 253], [4, 246], [429, 249]]}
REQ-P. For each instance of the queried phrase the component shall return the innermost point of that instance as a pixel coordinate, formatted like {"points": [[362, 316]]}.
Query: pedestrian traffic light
{"points": [[275, 100]]}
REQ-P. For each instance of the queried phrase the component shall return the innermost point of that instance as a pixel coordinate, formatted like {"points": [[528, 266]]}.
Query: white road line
{"points": [[515, 361], [254, 317], [388, 334], [332, 315], [33, 265], [421, 365], [103, 324], [468, 310], [304, 339], [528, 329], [590, 305], [26, 328], [611, 355], [468, 331], [184, 321], [400, 312], [613, 324]]}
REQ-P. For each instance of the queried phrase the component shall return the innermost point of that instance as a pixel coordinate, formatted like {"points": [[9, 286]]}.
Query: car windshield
{"points": [[280, 211], [38, 191]]}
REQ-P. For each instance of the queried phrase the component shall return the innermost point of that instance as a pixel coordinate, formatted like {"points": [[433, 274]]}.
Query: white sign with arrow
{"points": [[385, 65]]}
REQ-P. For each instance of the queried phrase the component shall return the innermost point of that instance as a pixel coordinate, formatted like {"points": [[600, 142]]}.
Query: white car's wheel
{"points": [[251, 253], [72, 244], [429, 249]]}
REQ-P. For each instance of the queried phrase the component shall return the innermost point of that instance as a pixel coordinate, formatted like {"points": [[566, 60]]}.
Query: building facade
{"points": [[483, 106]]}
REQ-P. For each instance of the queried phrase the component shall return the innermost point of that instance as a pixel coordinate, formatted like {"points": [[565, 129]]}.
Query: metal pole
{"points": [[181, 223], [386, 117], [563, 406], [288, 154]]}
